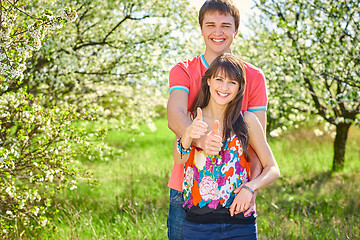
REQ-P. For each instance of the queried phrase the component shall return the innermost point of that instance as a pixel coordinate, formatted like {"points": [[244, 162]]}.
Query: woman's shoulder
{"points": [[248, 116], [250, 119]]}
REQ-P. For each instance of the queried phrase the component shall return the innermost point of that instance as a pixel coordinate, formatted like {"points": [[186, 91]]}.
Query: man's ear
{"points": [[236, 32]]}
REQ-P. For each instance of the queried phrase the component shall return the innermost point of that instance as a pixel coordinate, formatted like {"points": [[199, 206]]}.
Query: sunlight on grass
{"points": [[131, 200]]}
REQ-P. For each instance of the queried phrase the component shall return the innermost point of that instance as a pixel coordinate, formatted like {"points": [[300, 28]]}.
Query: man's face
{"points": [[218, 31]]}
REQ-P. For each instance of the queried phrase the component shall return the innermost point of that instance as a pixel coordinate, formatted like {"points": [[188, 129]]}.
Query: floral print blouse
{"points": [[211, 180]]}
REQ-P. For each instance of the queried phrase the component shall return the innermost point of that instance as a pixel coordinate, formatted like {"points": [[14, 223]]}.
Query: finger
{"points": [[248, 212], [198, 114], [214, 139], [200, 126], [237, 190], [231, 209], [199, 130], [215, 146], [215, 130], [238, 208]]}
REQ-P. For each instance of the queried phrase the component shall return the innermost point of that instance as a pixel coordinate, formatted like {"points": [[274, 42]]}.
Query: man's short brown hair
{"points": [[221, 6]]}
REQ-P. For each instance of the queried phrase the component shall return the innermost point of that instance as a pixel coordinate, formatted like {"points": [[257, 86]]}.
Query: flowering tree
{"points": [[310, 52], [114, 58], [109, 62], [37, 144]]}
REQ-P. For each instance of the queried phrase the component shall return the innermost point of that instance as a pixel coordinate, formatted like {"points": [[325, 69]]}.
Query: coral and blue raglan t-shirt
{"points": [[186, 76]]}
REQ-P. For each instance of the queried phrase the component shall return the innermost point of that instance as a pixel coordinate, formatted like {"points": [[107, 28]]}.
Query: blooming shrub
{"points": [[37, 144], [36, 152]]}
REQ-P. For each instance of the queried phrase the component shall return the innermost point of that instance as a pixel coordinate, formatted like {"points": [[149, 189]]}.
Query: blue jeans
{"points": [[219, 231], [176, 215]]}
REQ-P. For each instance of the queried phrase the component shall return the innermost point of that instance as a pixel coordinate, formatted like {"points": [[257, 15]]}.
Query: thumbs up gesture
{"points": [[198, 127], [213, 141]]}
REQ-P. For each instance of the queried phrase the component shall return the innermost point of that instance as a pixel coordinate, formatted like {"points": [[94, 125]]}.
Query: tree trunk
{"points": [[342, 130]]}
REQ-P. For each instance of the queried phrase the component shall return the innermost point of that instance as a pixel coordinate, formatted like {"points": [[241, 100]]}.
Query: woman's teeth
{"points": [[223, 94]]}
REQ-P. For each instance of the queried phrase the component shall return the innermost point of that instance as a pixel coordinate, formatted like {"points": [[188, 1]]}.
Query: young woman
{"points": [[216, 188]]}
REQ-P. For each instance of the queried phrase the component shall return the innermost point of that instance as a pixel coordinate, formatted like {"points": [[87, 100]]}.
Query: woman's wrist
{"points": [[186, 142], [248, 189], [181, 149]]}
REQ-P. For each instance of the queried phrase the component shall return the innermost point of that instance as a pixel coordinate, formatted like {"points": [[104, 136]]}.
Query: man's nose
{"points": [[218, 30]]}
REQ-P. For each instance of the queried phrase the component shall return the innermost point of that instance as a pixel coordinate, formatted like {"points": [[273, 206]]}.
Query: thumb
{"points": [[198, 114], [215, 130], [237, 190]]}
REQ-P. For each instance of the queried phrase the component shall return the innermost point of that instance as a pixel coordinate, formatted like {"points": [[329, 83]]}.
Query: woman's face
{"points": [[223, 89]]}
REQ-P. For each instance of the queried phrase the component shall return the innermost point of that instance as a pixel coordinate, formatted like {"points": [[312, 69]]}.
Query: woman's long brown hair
{"points": [[234, 123]]}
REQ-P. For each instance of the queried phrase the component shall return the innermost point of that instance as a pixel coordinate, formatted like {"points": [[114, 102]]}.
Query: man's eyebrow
{"points": [[223, 23]]}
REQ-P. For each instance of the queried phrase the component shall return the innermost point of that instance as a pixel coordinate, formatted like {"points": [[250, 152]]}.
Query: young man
{"points": [[219, 22]]}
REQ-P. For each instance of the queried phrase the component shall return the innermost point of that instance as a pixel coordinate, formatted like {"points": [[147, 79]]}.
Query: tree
{"points": [[114, 58], [108, 63], [310, 52], [37, 144]]}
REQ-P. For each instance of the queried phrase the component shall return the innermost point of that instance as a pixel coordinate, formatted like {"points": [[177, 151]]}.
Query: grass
{"points": [[131, 200]]}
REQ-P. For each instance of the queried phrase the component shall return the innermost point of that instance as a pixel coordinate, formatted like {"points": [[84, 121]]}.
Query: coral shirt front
{"points": [[186, 76]]}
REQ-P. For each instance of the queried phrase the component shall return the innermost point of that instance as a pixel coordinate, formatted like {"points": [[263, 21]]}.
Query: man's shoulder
{"points": [[251, 68], [189, 63], [253, 72]]}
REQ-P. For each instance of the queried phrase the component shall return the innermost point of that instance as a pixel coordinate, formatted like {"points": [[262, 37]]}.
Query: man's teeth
{"points": [[223, 94], [218, 40]]}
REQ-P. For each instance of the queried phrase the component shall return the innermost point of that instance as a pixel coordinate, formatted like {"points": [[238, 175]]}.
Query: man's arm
{"points": [[178, 120]]}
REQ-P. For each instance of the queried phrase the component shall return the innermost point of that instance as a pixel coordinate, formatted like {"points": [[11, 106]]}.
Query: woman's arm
{"points": [[178, 158], [258, 142], [197, 129], [270, 168]]}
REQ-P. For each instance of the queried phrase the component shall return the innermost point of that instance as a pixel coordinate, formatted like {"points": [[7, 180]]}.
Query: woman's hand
{"points": [[197, 128], [242, 202]]}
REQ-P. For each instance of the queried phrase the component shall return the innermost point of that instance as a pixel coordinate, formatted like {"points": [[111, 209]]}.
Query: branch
{"points": [[122, 21], [75, 48], [319, 107], [22, 10], [1, 27], [116, 26], [15, 34], [108, 73]]}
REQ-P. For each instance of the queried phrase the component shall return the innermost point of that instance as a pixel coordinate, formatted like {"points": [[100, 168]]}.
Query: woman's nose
{"points": [[225, 86]]}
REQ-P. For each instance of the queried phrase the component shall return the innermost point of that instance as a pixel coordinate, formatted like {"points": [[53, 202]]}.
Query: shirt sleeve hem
{"points": [[254, 109], [179, 88]]}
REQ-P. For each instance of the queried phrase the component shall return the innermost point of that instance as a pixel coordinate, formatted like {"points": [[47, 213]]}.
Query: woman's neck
{"points": [[214, 111]]}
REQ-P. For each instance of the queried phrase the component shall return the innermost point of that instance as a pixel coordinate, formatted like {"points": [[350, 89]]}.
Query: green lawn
{"points": [[131, 200]]}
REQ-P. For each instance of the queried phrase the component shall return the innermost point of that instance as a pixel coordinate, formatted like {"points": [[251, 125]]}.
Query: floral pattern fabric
{"points": [[210, 180]]}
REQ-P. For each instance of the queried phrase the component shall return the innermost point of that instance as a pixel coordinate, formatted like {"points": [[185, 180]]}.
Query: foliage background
{"points": [[82, 80]]}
